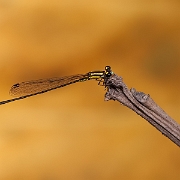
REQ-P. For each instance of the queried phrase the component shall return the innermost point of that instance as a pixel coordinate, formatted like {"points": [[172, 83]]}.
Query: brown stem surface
{"points": [[144, 106]]}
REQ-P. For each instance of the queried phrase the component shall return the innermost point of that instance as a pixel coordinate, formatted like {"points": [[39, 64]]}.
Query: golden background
{"points": [[72, 133]]}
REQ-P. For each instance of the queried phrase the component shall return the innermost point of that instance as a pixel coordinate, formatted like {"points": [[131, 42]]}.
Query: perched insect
{"points": [[35, 87]]}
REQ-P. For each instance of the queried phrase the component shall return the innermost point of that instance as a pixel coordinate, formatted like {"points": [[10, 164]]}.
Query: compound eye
{"points": [[107, 68]]}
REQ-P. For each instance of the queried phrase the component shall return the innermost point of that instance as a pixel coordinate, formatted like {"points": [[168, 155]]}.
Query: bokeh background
{"points": [[72, 133]]}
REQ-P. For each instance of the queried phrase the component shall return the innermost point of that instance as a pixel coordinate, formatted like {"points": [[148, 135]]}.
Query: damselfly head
{"points": [[108, 71]]}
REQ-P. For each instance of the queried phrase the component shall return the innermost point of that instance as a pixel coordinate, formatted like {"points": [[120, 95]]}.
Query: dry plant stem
{"points": [[143, 105]]}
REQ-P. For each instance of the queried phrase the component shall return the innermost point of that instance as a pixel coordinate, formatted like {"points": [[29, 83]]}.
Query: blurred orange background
{"points": [[72, 133]]}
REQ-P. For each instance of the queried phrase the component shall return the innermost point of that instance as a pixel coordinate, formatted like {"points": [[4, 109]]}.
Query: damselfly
{"points": [[35, 87]]}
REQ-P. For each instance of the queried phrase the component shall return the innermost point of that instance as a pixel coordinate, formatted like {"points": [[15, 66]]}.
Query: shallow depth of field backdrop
{"points": [[72, 133]]}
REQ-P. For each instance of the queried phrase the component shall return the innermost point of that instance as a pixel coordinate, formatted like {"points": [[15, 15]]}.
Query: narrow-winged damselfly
{"points": [[34, 87]]}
